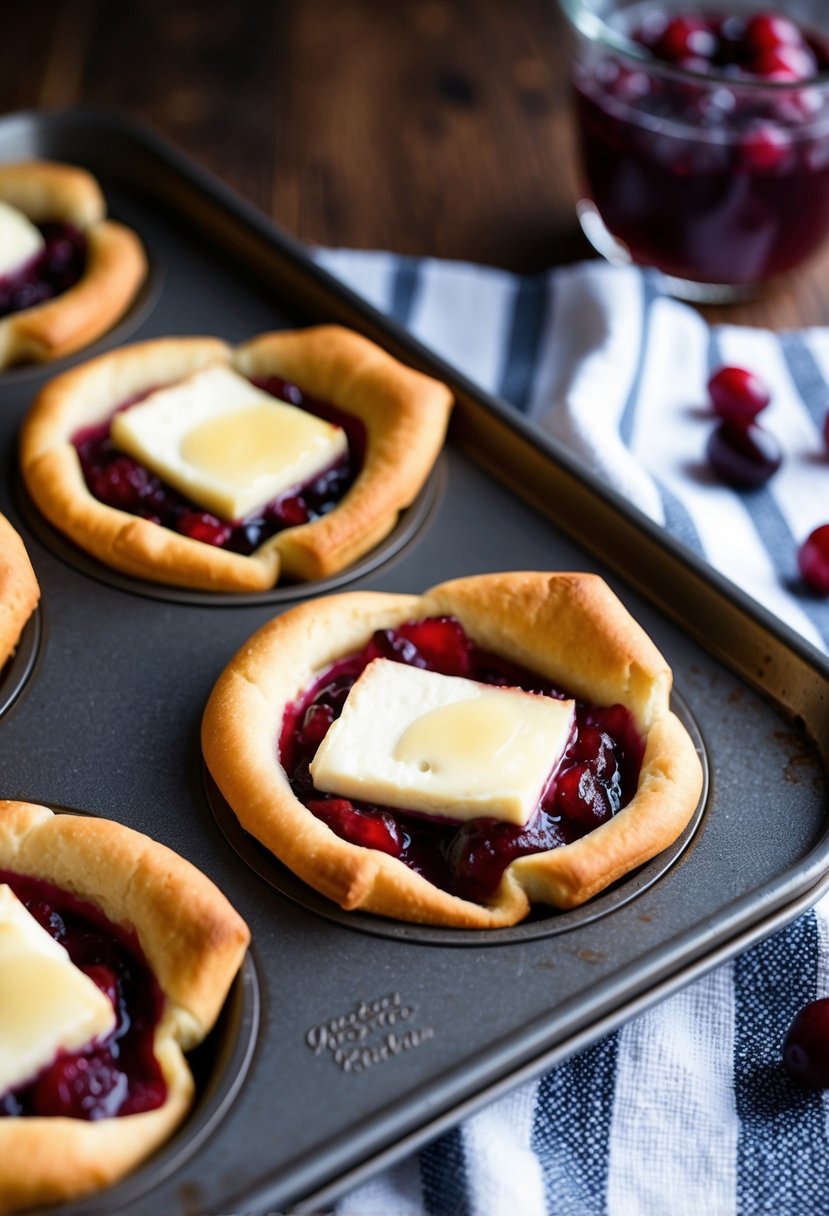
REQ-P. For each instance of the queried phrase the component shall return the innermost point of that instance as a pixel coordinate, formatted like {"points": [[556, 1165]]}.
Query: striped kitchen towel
{"points": [[685, 1111]]}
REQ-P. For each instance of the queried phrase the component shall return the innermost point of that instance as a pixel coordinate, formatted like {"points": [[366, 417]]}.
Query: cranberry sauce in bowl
{"points": [[597, 776], [56, 268], [120, 481], [704, 133], [120, 1074]]}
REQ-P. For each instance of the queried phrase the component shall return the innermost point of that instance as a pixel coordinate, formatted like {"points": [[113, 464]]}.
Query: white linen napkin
{"points": [[684, 1111]]}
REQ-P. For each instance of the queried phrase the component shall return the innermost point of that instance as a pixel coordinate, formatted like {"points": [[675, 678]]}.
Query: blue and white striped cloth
{"points": [[685, 1111]]}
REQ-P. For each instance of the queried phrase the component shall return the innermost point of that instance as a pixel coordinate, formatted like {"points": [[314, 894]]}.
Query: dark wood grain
{"points": [[435, 127]]}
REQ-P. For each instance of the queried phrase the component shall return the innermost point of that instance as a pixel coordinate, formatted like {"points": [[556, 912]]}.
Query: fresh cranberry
{"points": [[373, 829], [737, 393], [80, 1087], [684, 38], [770, 31], [806, 1045], [765, 148], [813, 559], [743, 454], [786, 63], [201, 525]]}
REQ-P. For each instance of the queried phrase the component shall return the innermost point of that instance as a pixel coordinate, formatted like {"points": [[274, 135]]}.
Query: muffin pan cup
{"points": [[367, 1038]]}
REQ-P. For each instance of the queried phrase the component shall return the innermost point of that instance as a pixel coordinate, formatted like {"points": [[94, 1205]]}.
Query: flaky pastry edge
{"points": [[405, 415], [194, 943], [116, 264], [568, 627]]}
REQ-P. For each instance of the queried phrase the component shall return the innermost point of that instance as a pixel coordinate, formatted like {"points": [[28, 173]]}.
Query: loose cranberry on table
{"points": [[806, 1045], [813, 559], [743, 454], [737, 393]]}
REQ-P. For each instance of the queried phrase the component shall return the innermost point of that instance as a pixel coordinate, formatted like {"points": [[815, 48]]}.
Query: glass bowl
{"points": [[715, 175]]}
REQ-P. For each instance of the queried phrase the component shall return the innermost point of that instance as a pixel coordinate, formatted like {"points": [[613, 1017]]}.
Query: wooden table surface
{"points": [[435, 127]]}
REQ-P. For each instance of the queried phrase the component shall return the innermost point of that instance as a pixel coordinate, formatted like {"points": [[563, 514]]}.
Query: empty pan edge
{"points": [[15, 674], [539, 925]]}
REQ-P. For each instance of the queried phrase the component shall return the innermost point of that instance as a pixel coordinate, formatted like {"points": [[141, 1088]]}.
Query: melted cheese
{"points": [[20, 241], [47, 1004], [225, 444], [443, 745]]}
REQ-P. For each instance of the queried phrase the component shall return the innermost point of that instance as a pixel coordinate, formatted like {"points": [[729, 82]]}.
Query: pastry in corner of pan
{"points": [[116, 956], [67, 272], [19, 591], [453, 758], [188, 462]]}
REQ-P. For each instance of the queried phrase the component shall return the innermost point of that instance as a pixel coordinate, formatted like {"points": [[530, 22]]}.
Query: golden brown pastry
{"points": [[114, 263], [192, 942], [404, 414], [19, 592], [569, 629]]}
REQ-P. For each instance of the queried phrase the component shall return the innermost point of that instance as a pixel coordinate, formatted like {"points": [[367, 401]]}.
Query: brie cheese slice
{"points": [[227, 445], [443, 745], [20, 241], [47, 1004]]}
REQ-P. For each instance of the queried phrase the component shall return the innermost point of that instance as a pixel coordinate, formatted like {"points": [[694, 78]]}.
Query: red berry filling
{"points": [[119, 481], [711, 179], [119, 1075], [57, 267], [597, 776]]}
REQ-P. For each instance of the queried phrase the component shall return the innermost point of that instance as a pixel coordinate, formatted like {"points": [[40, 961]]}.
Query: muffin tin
{"points": [[349, 1040]]}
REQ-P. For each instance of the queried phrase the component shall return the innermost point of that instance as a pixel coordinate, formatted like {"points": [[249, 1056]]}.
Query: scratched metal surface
{"points": [[349, 1039]]}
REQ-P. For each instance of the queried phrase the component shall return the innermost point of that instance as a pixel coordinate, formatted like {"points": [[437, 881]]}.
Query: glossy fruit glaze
{"points": [[120, 1075], [699, 172], [597, 776], [54, 270], [119, 481]]}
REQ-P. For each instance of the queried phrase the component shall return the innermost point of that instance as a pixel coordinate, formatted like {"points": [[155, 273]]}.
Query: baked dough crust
{"points": [[568, 627], [405, 415], [19, 592], [194, 943], [116, 264]]}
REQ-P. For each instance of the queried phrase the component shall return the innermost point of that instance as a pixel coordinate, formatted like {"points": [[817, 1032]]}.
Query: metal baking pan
{"points": [[349, 1039]]}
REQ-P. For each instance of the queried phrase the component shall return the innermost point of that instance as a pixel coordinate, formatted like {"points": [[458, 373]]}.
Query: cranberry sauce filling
{"points": [[119, 481], [597, 776], [54, 270], [120, 1074], [711, 180]]}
